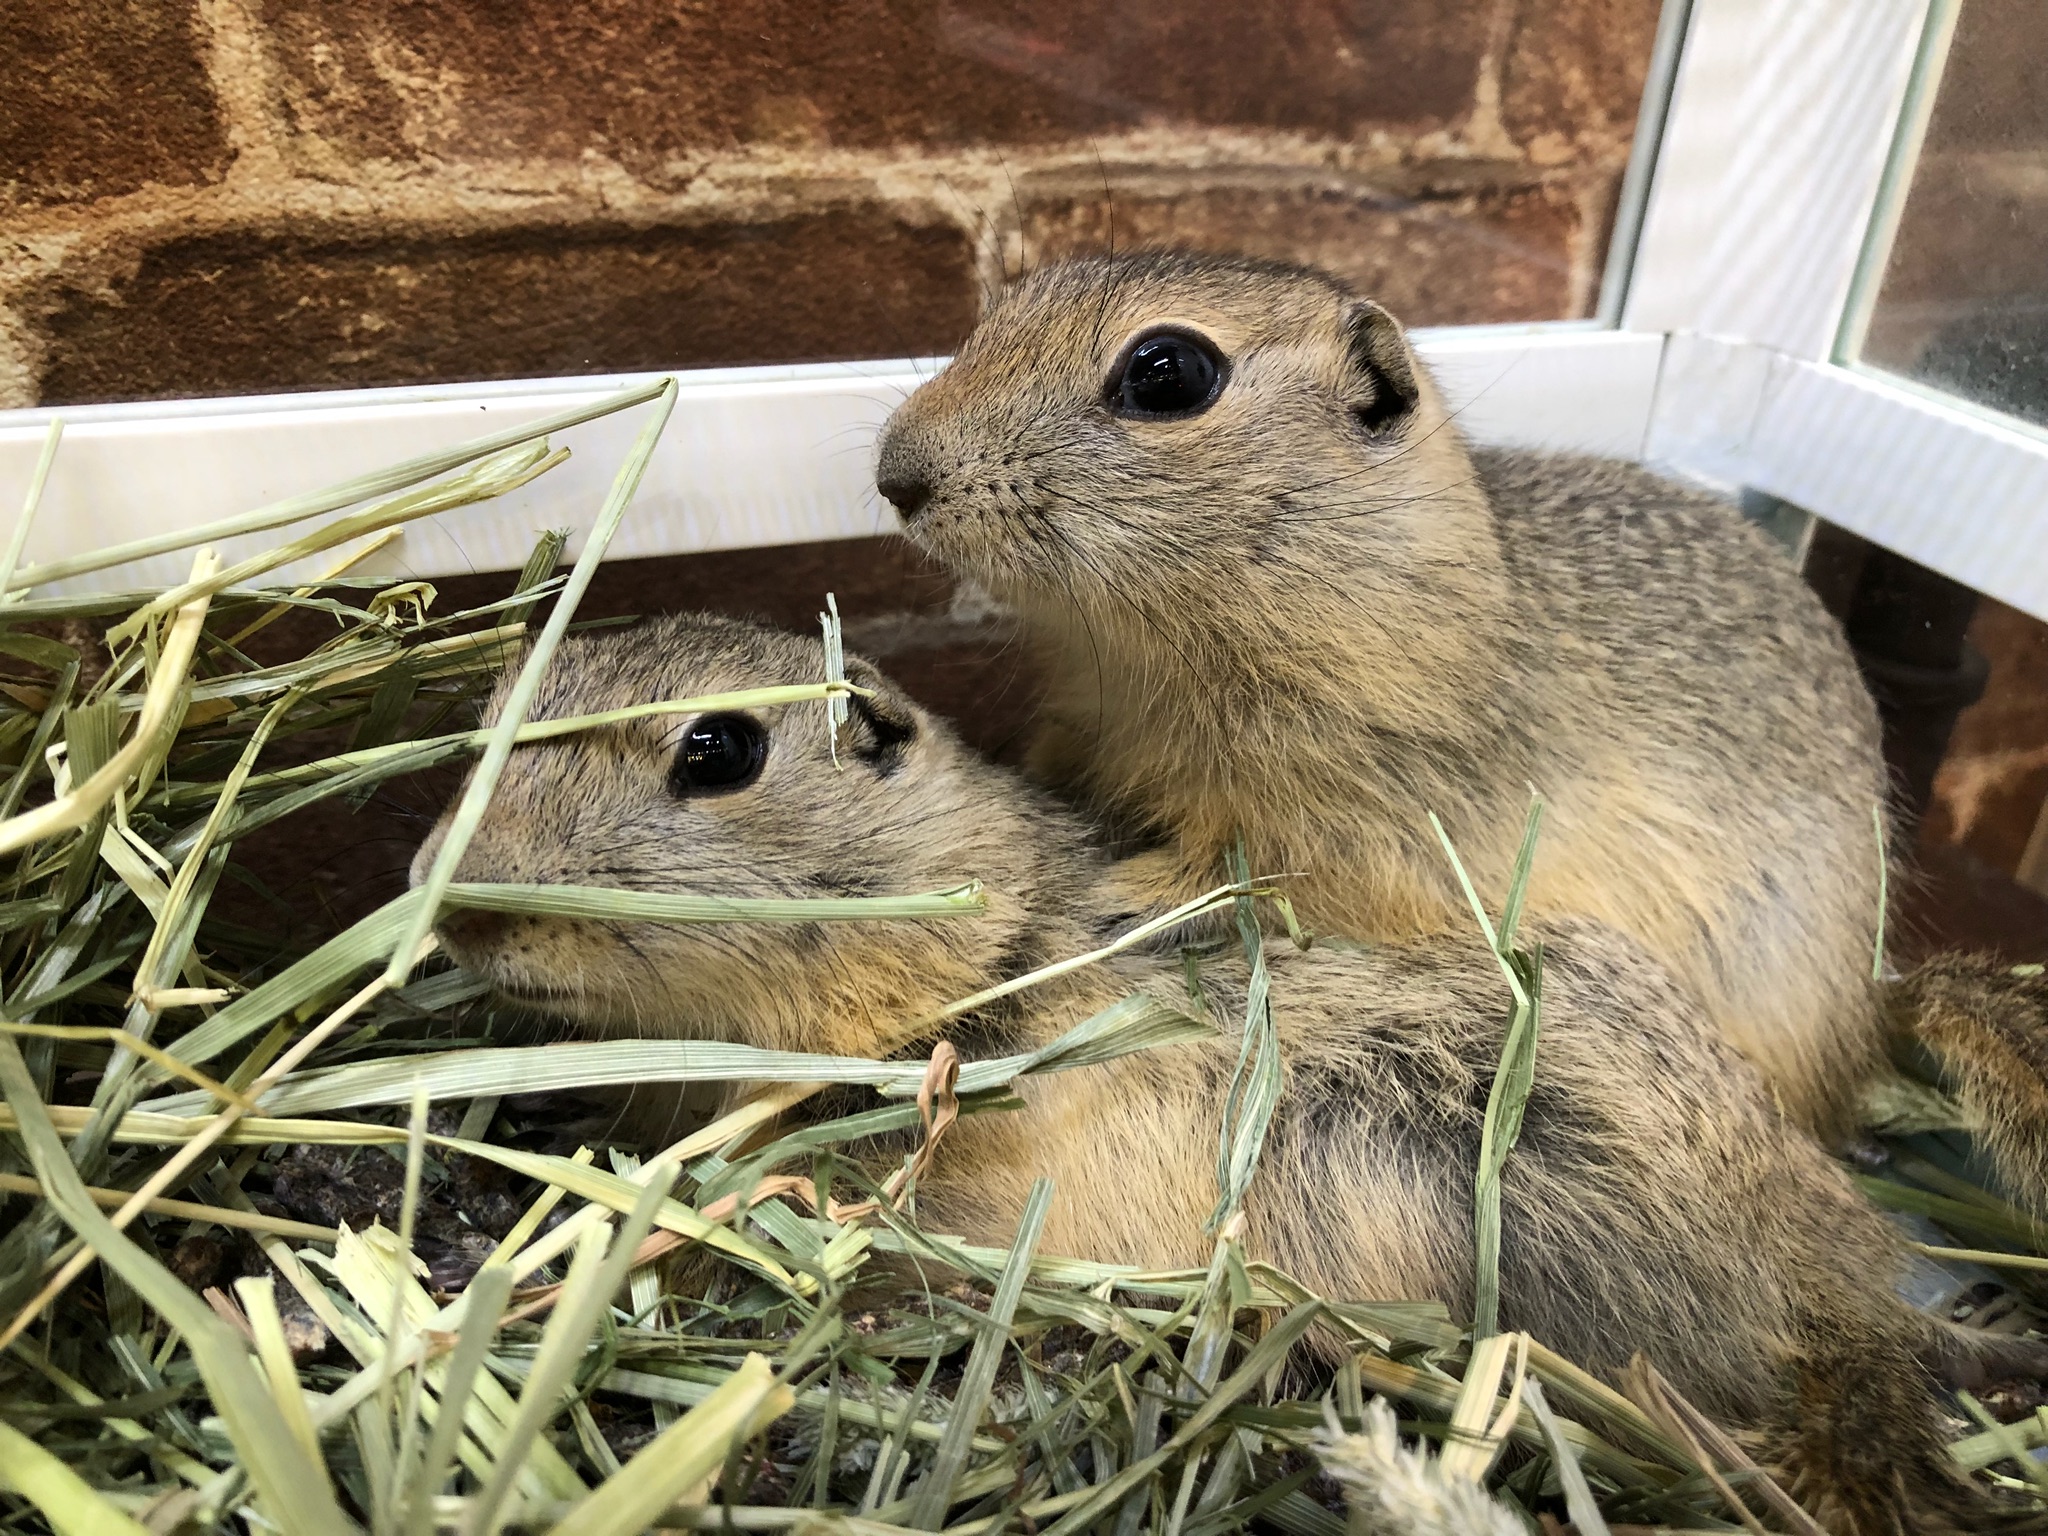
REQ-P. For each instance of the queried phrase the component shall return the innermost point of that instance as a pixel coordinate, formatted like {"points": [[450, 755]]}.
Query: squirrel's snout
{"points": [[469, 932], [903, 471]]}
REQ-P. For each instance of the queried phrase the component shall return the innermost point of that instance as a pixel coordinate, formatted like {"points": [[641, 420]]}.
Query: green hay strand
{"points": [[1516, 1073]]}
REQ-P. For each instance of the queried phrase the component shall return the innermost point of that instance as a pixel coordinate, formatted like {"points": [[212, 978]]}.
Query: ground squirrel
{"points": [[1657, 1198], [1276, 593]]}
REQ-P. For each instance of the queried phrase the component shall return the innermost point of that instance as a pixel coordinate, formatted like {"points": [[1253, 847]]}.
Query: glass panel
{"points": [[1991, 796], [1963, 304], [365, 192], [1961, 685]]}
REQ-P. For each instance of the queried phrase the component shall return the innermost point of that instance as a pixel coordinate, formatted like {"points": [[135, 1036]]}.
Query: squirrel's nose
{"points": [[906, 493], [470, 932]]}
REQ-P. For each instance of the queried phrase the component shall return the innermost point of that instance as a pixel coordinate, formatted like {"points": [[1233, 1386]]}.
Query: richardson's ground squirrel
{"points": [[1275, 593], [1657, 1199]]}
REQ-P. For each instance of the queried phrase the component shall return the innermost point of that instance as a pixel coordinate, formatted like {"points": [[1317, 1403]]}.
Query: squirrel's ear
{"points": [[1382, 369], [883, 726]]}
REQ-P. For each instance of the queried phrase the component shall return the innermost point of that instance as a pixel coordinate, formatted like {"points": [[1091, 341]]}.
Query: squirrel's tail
{"points": [[1985, 1023], [1859, 1443]]}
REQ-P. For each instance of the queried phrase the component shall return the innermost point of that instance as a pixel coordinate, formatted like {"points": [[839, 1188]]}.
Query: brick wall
{"points": [[217, 196]]}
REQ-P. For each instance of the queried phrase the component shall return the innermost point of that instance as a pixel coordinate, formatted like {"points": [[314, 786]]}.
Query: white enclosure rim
{"points": [[752, 456], [1788, 144]]}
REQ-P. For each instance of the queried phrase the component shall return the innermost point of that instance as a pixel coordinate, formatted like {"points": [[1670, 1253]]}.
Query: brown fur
{"points": [[1986, 1025], [1270, 618], [1657, 1199]]}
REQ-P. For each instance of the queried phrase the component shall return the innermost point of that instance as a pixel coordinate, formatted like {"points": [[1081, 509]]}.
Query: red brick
{"points": [[643, 82], [1573, 74], [103, 96], [1432, 258], [270, 311]]}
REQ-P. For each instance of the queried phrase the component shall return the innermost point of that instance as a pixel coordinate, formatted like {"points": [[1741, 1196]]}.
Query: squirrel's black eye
{"points": [[718, 752], [1169, 373]]}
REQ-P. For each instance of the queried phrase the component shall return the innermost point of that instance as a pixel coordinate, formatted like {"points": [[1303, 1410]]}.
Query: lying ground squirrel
{"points": [[1657, 1199], [1276, 594]]}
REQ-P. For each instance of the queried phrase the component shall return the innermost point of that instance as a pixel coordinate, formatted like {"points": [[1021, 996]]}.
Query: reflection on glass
{"points": [[1964, 301]]}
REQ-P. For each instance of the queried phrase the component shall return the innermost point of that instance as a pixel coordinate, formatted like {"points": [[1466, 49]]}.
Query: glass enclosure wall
{"points": [[1963, 305], [1958, 279]]}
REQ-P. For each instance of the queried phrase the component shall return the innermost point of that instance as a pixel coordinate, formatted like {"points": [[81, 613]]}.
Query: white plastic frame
{"points": [[1732, 281], [1789, 138]]}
